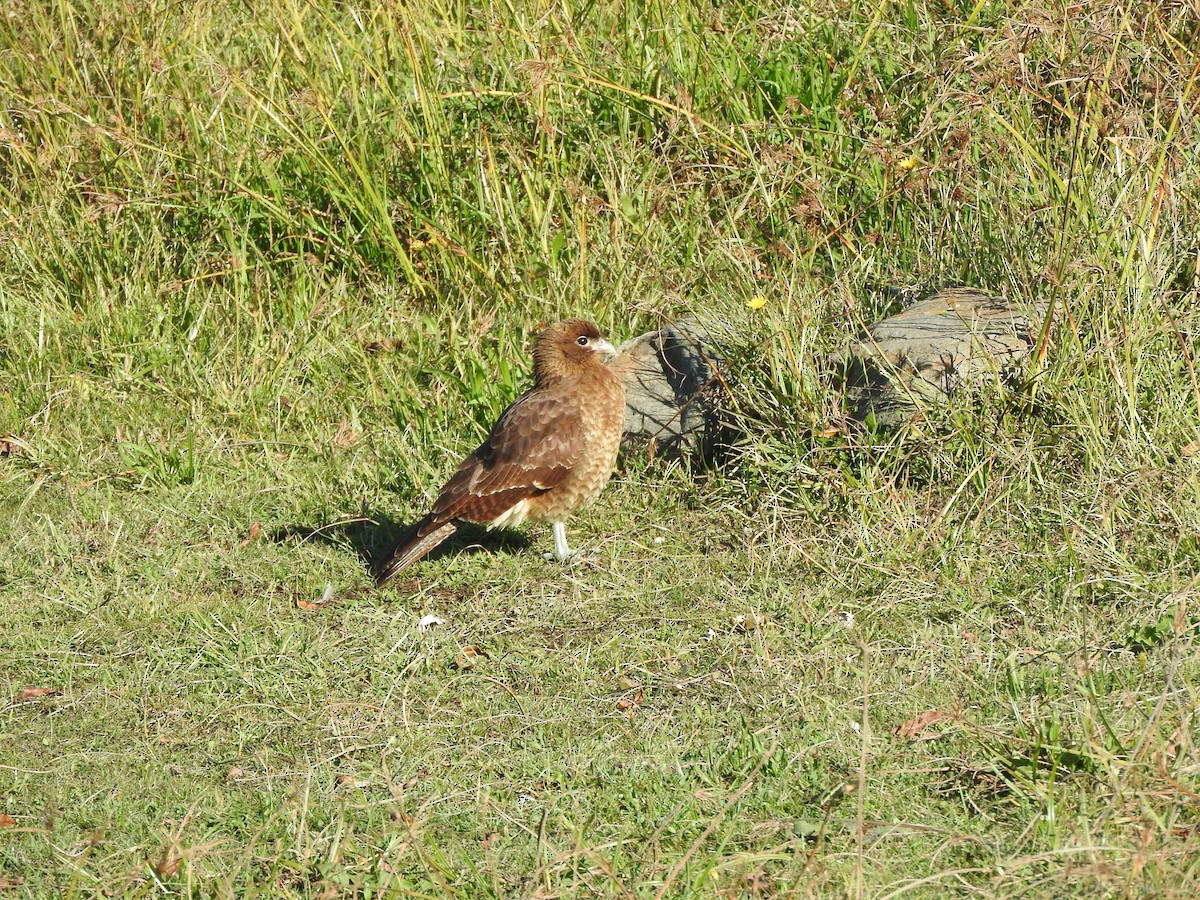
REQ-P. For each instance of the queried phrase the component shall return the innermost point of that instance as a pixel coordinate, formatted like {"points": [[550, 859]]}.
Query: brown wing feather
{"points": [[531, 449], [416, 541]]}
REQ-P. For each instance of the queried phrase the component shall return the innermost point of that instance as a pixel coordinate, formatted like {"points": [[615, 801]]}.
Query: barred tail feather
{"points": [[412, 545]]}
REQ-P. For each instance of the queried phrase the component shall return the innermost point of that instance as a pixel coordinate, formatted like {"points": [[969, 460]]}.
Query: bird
{"points": [[549, 454]]}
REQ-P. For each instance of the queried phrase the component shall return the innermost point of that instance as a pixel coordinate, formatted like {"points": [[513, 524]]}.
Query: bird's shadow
{"points": [[373, 535]]}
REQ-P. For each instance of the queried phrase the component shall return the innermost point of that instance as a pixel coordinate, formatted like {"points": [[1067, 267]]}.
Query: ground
{"points": [[268, 272]]}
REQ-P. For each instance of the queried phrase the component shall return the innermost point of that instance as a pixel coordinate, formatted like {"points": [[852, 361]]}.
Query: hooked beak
{"points": [[603, 346]]}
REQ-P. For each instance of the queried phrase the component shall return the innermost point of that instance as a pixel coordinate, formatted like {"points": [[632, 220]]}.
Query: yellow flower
{"points": [[758, 301], [907, 165], [416, 245]]}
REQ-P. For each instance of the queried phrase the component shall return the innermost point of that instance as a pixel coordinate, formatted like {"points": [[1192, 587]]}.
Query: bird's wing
{"points": [[531, 449]]}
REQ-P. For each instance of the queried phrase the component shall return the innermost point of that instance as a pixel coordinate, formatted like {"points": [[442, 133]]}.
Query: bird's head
{"points": [[568, 348]]}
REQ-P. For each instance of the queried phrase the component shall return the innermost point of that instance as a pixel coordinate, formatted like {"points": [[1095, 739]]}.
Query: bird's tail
{"points": [[412, 545]]}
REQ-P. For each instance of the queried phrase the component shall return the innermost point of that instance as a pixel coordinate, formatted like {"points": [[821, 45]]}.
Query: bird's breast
{"points": [[602, 423]]}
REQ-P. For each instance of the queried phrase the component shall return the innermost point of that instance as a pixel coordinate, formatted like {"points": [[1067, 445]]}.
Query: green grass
{"points": [[268, 271]]}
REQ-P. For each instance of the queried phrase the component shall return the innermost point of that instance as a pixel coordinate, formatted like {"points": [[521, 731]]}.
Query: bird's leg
{"points": [[561, 551]]}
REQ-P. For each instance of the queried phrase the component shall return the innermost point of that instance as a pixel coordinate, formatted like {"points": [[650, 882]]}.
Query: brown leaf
{"points": [[629, 705], [748, 621], [1190, 449], [15, 881], [255, 528], [10, 445], [381, 345], [913, 729], [169, 864], [32, 693], [326, 596], [469, 655], [7, 821], [346, 436]]}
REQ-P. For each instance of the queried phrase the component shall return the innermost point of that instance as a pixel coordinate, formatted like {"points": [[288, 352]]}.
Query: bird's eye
{"points": [[582, 340]]}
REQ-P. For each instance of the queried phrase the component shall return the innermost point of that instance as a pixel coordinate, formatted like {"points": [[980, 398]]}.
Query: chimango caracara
{"points": [[549, 454]]}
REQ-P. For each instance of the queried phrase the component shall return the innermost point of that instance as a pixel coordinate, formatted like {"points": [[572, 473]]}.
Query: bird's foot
{"points": [[564, 554], [572, 557]]}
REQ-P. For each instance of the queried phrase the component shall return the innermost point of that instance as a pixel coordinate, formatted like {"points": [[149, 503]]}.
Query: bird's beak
{"points": [[603, 346]]}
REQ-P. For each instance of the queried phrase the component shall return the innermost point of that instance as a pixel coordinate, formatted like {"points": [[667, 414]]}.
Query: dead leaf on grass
{"points": [[750, 621], [914, 728], [168, 864], [469, 656], [346, 436], [7, 883], [254, 530], [11, 445], [629, 702], [381, 345], [326, 596], [32, 693], [629, 705], [7, 821]]}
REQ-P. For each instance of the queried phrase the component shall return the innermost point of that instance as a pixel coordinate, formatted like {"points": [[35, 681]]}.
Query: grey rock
{"points": [[677, 401], [955, 339], [674, 392]]}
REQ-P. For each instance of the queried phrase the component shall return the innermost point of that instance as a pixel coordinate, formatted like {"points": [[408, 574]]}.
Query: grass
{"points": [[268, 271]]}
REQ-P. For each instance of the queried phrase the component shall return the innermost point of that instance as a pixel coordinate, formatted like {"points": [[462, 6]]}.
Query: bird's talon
{"points": [[572, 557], [584, 555]]}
